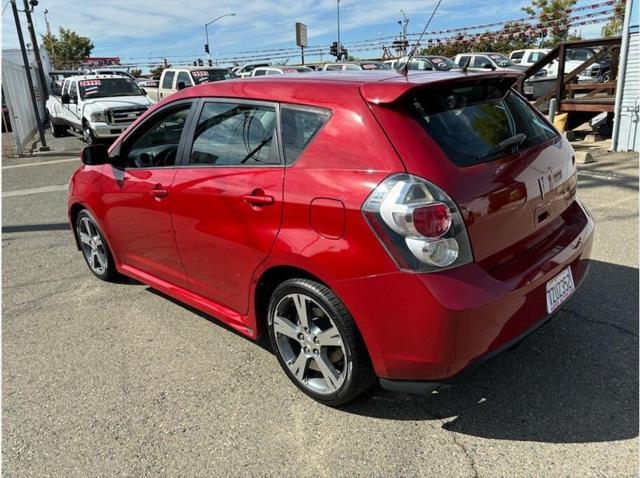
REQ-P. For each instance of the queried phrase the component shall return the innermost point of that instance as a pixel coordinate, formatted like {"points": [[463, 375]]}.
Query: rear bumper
{"points": [[425, 387], [434, 327]]}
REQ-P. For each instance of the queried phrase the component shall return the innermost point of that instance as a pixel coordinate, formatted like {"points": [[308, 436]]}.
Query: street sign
{"points": [[301, 34]]}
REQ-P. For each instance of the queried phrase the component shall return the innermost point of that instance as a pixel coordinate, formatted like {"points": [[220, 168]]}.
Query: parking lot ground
{"points": [[114, 379]]}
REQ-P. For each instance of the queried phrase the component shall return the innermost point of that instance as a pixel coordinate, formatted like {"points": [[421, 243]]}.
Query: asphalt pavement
{"points": [[110, 380]]}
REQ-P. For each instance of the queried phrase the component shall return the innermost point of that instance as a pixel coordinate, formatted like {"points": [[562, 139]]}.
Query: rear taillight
{"points": [[420, 226]]}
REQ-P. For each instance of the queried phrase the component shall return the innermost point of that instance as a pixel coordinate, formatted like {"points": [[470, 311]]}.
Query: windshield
{"points": [[442, 63], [480, 122], [501, 60], [374, 66], [201, 77], [107, 88]]}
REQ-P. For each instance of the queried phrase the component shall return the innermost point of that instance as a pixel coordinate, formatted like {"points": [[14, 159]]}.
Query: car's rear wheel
{"points": [[94, 248], [317, 342], [58, 130]]}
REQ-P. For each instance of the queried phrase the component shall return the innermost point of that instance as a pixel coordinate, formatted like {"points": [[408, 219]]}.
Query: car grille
{"points": [[123, 116]]}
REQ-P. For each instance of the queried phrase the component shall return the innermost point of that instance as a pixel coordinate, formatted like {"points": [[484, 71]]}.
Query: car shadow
{"points": [[573, 381]]}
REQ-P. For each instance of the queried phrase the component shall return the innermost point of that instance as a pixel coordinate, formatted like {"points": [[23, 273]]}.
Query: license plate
{"points": [[559, 289]]}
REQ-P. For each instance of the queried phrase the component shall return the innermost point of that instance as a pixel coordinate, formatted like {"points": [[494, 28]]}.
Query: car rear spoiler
{"points": [[390, 91]]}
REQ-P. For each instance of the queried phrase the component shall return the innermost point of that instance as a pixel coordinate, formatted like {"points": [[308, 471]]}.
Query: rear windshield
{"points": [[209, 76], [480, 122]]}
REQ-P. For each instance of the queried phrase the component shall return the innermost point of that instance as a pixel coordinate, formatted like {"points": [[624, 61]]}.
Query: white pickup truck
{"points": [[101, 106]]}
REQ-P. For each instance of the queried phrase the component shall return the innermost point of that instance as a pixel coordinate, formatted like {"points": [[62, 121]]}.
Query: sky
{"points": [[147, 30]]}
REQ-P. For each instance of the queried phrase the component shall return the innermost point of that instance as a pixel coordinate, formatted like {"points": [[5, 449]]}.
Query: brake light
{"points": [[420, 226], [432, 220]]}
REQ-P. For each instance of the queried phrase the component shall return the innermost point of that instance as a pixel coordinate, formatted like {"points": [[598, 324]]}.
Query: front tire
{"points": [[317, 343], [87, 134], [95, 249]]}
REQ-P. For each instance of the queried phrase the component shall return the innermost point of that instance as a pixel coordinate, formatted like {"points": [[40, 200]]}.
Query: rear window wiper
{"points": [[514, 140]]}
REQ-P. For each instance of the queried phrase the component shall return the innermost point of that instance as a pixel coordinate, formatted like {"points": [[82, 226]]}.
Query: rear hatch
{"points": [[507, 168]]}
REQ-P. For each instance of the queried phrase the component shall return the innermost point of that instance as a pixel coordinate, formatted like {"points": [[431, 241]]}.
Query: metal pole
{"points": [[622, 68], [302, 53], [339, 44], [206, 32], [44, 92], [27, 71]]}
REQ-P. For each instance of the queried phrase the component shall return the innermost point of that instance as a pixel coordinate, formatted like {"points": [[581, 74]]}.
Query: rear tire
{"points": [[58, 130], [317, 342]]}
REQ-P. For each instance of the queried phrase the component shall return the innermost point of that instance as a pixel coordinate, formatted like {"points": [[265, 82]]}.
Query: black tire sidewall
{"points": [[110, 271], [89, 138], [352, 361]]}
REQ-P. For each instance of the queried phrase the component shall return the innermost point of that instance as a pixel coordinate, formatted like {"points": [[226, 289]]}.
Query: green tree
{"points": [[614, 27], [136, 73], [67, 49], [157, 71], [554, 16]]}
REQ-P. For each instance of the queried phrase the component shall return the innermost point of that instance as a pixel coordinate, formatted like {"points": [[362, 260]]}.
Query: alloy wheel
{"points": [[310, 344], [92, 246]]}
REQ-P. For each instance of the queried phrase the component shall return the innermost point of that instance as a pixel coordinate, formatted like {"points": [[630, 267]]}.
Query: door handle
{"points": [[159, 193], [258, 198]]}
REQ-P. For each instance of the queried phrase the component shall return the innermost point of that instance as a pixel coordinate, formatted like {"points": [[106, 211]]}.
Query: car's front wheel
{"points": [[317, 342], [94, 247], [87, 134]]}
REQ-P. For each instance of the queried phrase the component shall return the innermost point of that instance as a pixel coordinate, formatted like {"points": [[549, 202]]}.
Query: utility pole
{"points": [[27, 71], [53, 53], [404, 22], [339, 44], [44, 91]]}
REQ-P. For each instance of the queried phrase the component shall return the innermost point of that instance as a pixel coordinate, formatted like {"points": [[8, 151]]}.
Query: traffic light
{"points": [[334, 49], [200, 62], [210, 62], [206, 48]]}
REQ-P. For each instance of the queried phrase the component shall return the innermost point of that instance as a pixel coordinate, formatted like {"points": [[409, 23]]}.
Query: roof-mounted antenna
{"points": [[404, 68]]}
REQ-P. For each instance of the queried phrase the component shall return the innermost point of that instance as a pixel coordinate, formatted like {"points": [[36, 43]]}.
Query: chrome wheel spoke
{"points": [[284, 326], [97, 241], [85, 238], [330, 338], [328, 371], [300, 302], [102, 260], [299, 366]]}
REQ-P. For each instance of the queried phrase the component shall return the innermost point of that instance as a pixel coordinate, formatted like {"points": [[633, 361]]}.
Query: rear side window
{"points": [[299, 126], [516, 56], [480, 122], [167, 81], [184, 77], [230, 134]]}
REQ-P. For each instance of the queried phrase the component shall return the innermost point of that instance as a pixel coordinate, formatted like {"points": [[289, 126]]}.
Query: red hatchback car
{"points": [[374, 225]]}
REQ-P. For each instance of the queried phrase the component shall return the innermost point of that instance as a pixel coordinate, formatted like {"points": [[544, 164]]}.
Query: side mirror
{"points": [[181, 85], [65, 99], [95, 155], [144, 92]]}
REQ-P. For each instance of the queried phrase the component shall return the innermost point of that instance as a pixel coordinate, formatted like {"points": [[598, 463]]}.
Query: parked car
{"points": [[111, 71], [246, 69], [101, 107], [487, 61], [356, 65], [175, 79], [528, 57], [438, 228], [280, 70], [57, 79], [428, 63]]}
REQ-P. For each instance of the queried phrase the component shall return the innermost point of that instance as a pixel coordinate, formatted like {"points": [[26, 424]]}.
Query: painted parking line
{"points": [[27, 192], [42, 163]]}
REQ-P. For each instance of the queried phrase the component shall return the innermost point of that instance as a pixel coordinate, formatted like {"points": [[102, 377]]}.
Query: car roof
{"points": [[96, 77], [323, 88]]}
